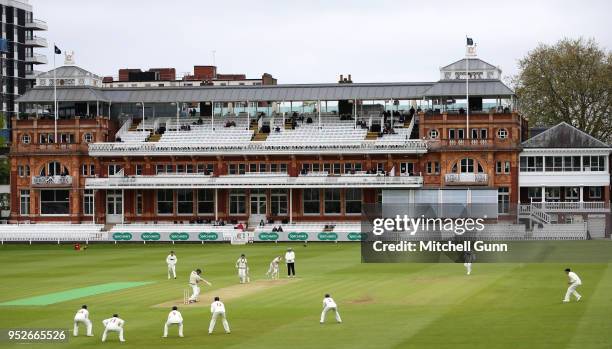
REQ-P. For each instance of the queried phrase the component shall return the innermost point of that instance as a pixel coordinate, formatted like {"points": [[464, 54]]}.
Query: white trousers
{"points": [[85, 322], [334, 309], [273, 271], [468, 266], [242, 275], [213, 321], [171, 271], [195, 293], [571, 290], [113, 329], [180, 328]]}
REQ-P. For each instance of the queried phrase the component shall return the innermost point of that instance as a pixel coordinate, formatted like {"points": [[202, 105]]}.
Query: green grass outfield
{"points": [[382, 305]]}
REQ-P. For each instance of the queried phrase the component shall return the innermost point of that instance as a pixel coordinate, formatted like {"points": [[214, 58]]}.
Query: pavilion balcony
{"points": [[257, 148], [253, 181], [37, 59], [472, 144], [36, 41], [573, 206], [52, 181], [36, 24], [466, 178], [49, 148]]}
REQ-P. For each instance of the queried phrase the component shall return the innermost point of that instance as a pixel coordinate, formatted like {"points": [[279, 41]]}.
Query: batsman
{"points": [[243, 269]]}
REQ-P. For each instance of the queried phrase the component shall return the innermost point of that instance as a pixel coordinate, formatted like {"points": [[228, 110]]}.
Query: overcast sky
{"points": [[311, 41]]}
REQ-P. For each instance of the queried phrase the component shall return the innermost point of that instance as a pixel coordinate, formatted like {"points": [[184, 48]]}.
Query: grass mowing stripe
{"points": [[63, 296]]}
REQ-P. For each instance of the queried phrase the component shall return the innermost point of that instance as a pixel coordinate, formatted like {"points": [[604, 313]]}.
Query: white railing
{"points": [[597, 206], [411, 125], [37, 23], [52, 180], [124, 128], [479, 178], [37, 58], [36, 41], [248, 148], [276, 180], [473, 142], [534, 211]]}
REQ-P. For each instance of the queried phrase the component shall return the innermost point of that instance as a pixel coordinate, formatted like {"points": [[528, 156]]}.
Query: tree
{"points": [[570, 81]]}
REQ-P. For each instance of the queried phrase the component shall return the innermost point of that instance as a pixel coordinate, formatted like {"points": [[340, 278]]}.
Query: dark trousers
{"points": [[291, 269]]}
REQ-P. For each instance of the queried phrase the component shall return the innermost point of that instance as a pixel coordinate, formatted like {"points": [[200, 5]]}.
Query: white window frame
{"points": [[24, 202], [88, 202]]}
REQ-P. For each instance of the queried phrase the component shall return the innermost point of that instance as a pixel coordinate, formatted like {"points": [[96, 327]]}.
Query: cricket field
{"points": [[382, 305]]}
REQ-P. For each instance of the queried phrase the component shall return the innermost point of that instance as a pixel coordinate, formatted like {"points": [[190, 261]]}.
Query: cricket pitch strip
{"points": [[228, 293]]}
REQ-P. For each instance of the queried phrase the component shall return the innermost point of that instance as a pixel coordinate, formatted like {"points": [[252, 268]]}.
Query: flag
{"points": [[57, 50], [470, 42]]}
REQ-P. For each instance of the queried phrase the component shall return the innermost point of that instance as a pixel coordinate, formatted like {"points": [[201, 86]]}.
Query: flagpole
{"points": [[467, 92], [55, 92]]}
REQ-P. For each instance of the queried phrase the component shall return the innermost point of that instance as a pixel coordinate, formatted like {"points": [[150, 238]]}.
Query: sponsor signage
{"points": [[268, 236], [298, 236], [150, 236], [263, 236], [179, 236], [327, 236], [208, 236], [356, 236], [122, 236]]}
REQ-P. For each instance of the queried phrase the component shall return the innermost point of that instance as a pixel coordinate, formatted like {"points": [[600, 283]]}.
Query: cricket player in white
{"points": [[290, 260], [243, 269], [174, 318], [171, 261], [114, 324], [329, 304], [194, 279], [217, 308], [82, 316], [273, 269], [574, 282], [468, 258]]}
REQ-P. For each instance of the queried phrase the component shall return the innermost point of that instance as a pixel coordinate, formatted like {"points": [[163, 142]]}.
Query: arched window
{"points": [[502, 133], [54, 168]]}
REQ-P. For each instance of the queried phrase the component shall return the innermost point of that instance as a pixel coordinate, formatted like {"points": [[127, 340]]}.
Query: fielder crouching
{"points": [[174, 318], [82, 317], [217, 308], [330, 304], [114, 324]]}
